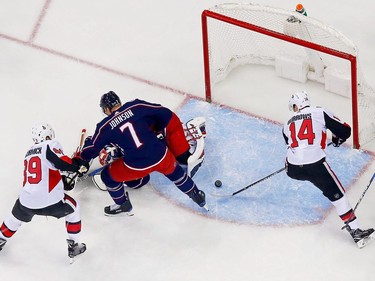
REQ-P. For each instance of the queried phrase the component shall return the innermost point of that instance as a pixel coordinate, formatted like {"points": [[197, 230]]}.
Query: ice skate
{"points": [[117, 210], [2, 243], [199, 197], [362, 237], [75, 249]]}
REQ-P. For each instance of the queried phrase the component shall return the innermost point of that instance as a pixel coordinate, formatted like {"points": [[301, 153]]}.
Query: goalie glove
{"points": [[109, 154], [336, 141]]}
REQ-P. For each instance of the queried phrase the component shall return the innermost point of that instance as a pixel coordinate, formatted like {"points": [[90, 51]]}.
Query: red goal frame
{"points": [[352, 59]]}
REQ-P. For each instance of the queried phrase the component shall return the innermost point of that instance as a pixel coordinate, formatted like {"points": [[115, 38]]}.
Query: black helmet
{"points": [[109, 100]]}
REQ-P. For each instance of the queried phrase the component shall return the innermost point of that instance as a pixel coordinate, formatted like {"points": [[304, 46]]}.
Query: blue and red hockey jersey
{"points": [[132, 129]]}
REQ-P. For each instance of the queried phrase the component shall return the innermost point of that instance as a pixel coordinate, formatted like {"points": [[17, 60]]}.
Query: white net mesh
{"points": [[232, 45]]}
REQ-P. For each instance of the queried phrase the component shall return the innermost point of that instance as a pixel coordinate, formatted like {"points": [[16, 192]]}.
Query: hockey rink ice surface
{"points": [[238, 157], [59, 56]]}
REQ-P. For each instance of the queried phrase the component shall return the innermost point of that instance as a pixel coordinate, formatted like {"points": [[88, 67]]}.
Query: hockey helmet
{"points": [[40, 132], [300, 99], [109, 100]]}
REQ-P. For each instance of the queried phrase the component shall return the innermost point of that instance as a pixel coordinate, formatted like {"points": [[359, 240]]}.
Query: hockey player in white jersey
{"points": [[43, 189], [306, 134]]}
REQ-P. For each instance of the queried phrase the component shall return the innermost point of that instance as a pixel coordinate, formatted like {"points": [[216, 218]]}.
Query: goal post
{"points": [[237, 34]]}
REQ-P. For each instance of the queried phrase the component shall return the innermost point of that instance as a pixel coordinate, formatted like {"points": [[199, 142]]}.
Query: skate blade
{"points": [[122, 214], [366, 240], [73, 259], [206, 207]]}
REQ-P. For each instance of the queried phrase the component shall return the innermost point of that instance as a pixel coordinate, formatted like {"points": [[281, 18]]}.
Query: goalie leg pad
{"points": [[195, 131], [196, 159], [196, 128]]}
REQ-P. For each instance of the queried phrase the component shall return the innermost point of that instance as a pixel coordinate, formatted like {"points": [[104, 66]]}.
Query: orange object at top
{"points": [[300, 9]]}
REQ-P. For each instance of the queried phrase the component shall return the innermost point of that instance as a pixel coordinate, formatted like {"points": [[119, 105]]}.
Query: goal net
{"points": [[299, 47]]}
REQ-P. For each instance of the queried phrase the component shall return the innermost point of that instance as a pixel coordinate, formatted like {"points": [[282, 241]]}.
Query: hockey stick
{"points": [[254, 183], [250, 185], [92, 173], [359, 201], [81, 141], [77, 152]]}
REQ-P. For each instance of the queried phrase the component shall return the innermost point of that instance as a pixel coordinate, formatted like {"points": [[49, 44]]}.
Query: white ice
{"points": [[57, 58]]}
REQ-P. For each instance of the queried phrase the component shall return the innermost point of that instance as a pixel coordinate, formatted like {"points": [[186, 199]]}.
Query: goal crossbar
{"points": [[351, 58]]}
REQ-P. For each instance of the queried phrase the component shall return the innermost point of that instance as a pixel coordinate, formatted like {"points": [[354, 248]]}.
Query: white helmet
{"points": [[300, 99], [41, 131]]}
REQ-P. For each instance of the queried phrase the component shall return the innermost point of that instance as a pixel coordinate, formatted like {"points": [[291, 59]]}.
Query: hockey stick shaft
{"points": [[359, 201], [81, 142], [258, 181], [92, 173], [96, 171], [364, 192], [250, 185], [78, 151]]}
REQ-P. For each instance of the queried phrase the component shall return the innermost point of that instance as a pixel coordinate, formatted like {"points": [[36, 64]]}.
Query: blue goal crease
{"points": [[241, 149]]}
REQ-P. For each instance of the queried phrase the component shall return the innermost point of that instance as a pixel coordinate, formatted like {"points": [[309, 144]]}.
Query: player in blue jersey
{"points": [[133, 129]]}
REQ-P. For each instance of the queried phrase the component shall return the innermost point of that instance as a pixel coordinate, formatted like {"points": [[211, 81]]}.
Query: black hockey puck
{"points": [[218, 183]]}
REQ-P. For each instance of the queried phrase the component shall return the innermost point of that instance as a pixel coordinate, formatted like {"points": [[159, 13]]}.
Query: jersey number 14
{"points": [[305, 132]]}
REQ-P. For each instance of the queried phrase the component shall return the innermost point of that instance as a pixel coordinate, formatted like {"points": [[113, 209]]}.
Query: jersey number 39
{"points": [[32, 172]]}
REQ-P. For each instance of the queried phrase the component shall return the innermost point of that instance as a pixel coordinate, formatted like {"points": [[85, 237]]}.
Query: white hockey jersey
{"points": [[306, 135], [42, 184]]}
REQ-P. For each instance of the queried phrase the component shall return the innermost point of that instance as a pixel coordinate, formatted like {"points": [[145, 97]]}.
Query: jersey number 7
{"points": [[133, 133]]}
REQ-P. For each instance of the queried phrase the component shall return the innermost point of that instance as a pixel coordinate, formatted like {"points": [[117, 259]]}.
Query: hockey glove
{"points": [[108, 154], [82, 165], [68, 181], [336, 142]]}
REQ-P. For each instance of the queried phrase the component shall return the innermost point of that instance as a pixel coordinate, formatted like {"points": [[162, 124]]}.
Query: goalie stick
{"points": [[95, 177], [92, 173]]}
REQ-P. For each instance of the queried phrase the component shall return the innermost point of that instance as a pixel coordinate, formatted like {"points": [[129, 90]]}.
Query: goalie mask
{"points": [[300, 99], [41, 132], [109, 100]]}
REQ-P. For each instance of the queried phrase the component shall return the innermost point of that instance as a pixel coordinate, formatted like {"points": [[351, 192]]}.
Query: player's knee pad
{"points": [[196, 159]]}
